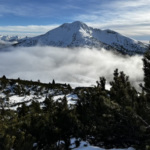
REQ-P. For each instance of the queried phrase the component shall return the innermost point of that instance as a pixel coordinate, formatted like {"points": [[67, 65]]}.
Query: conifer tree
{"points": [[125, 123], [49, 104], [53, 82], [23, 110], [35, 107], [144, 98], [4, 77], [101, 83], [69, 88], [146, 68], [121, 90]]}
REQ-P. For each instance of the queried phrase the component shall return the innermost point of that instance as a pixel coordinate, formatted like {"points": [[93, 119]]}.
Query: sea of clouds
{"points": [[78, 66]]}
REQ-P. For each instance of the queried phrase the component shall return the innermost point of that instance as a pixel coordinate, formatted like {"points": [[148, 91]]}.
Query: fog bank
{"points": [[79, 66]]}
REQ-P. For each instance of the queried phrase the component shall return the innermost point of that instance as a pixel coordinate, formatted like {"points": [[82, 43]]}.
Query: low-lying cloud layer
{"points": [[79, 66], [4, 44]]}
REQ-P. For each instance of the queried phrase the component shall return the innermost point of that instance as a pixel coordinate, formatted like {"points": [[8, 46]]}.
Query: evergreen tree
{"points": [[144, 100], [121, 90], [69, 88], [22, 111], [3, 77], [101, 83], [35, 106], [53, 82], [7, 142], [146, 68], [49, 104]]}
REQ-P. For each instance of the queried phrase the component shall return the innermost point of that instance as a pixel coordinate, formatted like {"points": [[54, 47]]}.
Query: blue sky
{"points": [[34, 17]]}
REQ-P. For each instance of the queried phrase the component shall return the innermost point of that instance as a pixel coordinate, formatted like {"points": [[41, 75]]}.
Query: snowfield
{"points": [[97, 148], [78, 34], [84, 145]]}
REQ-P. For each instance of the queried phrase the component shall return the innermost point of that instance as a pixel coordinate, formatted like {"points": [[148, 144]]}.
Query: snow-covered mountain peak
{"points": [[78, 34], [75, 25], [110, 31]]}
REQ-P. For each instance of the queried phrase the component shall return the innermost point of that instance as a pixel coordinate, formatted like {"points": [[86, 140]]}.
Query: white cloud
{"points": [[30, 9], [130, 3], [30, 30], [36, 9], [127, 17], [125, 28], [80, 65]]}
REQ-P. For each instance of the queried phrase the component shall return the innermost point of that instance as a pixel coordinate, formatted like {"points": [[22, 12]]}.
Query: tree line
{"points": [[115, 118]]}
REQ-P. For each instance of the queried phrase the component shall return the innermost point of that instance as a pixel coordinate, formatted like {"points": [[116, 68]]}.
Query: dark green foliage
{"points": [[7, 142], [146, 68], [35, 106], [69, 88], [22, 111], [3, 77], [144, 99], [49, 104], [119, 117], [121, 91], [53, 82], [101, 83]]}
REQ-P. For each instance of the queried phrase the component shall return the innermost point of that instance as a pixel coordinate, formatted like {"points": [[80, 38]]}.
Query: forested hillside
{"points": [[39, 116]]}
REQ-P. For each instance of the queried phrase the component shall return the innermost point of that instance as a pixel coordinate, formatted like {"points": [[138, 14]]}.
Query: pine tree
{"points": [[144, 98], [23, 110], [35, 107], [7, 142], [146, 68], [4, 77], [53, 82], [121, 90], [125, 123], [49, 104], [69, 88], [101, 83]]}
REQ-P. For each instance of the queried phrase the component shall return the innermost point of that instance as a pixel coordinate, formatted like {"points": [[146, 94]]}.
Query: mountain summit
{"points": [[78, 34]]}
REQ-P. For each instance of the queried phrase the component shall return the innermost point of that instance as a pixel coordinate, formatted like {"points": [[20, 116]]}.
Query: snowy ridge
{"points": [[78, 34], [12, 39], [9, 38], [29, 93]]}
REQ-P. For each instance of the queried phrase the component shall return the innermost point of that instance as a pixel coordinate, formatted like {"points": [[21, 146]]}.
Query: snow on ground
{"points": [[84, 145], [71, 98], [55, 98], [88, 147], [16, 101], [78, 34], [97, 148], [2, 95]]}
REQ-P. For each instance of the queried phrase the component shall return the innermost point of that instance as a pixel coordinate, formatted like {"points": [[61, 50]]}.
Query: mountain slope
{"points": [[9, 38], [78, 34]]}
